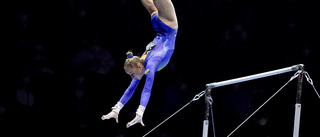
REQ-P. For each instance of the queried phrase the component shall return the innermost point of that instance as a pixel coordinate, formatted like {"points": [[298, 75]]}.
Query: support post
{"points": [[298, 104], [206, 113]]}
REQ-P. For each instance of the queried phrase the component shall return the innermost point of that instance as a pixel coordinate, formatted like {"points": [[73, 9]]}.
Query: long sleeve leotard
{"points": [[156, 60]]}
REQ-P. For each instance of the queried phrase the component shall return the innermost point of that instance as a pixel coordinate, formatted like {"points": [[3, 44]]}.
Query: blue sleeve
{"points": [[146, 92], [129, 92]]}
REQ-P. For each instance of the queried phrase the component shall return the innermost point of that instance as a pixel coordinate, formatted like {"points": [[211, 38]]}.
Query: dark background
{"points": [[62, 67]]}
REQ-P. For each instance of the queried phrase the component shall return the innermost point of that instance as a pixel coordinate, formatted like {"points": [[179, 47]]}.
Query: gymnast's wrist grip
{"points": [[140, 110], [117, 107]]}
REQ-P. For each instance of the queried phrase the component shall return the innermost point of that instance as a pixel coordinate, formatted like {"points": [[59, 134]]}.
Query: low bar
{"points": [[255, 76]]}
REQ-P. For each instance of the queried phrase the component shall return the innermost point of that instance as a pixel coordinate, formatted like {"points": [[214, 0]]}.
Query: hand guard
{"points": [[117, 107], [114, 113], [138, 118]]}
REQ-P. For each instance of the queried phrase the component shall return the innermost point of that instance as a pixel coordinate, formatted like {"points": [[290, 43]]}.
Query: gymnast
{"points": [[156, 57]]}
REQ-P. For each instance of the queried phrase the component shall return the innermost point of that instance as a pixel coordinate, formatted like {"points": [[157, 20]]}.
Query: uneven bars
{"points": [[238, 80], [255, 76]]}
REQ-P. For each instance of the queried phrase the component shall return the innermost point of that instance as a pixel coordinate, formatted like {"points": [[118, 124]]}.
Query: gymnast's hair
{"points": [[131, 60]]}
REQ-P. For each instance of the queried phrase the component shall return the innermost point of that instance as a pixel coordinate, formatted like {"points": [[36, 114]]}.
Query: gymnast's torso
{"points": [[164, 44]]}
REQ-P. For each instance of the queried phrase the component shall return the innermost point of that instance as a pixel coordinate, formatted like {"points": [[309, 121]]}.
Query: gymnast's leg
{"points": [[165, 9]]}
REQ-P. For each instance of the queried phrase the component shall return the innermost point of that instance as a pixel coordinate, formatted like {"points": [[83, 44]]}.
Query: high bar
{"points": [[255, 76]]}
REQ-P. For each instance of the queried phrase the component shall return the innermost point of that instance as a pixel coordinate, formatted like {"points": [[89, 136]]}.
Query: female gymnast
{"points": [[156, 57]]}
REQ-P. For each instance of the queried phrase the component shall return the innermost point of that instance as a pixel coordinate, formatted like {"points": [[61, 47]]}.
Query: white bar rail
{"points": [[255, 76]]}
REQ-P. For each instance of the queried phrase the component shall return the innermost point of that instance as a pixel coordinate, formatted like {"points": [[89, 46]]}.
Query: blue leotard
{"points": [[156, 60]]}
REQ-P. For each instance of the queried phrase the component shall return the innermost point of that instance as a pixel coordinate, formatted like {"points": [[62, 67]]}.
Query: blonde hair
{"points": [[133, 61]]}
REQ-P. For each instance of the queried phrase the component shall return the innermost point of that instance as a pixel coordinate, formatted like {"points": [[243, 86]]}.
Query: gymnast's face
{"points": [[136, 72]]}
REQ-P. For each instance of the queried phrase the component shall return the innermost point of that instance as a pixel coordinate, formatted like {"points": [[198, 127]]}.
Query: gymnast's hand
{"points": [[137, 119], [112, 114]]}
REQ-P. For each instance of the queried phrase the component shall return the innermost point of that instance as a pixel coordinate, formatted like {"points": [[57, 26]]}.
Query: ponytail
{"points": [[129, 54]]}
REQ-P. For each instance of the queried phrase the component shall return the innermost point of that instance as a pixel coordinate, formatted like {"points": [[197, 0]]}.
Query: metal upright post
{"points": [[298, 104], [206, 113]]}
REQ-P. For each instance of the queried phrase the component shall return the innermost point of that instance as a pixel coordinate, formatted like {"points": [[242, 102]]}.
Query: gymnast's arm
{"points": [[129, 92], [123, 100], [146, 93]]}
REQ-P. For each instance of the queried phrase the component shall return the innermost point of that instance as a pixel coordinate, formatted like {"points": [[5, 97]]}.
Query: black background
{"points": [[62, 67]]}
